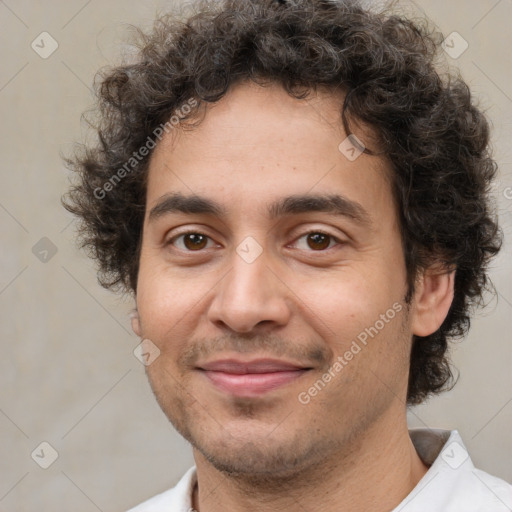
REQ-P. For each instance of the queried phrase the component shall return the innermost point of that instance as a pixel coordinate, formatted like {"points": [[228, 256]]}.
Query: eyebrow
{"points": [[289, 205]]}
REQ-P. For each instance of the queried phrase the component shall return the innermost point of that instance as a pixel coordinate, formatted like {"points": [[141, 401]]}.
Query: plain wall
{"points": [[68, 374]]}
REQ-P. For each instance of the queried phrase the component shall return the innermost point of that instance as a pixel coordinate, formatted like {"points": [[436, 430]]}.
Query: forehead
{"points": [[258, 144]]}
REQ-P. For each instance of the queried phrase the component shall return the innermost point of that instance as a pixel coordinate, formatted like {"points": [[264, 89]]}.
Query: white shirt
{"points": [[452, 483]]}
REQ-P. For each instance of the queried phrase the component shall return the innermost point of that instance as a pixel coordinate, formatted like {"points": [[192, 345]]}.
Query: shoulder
{"points": [[490, 490], [452, 482]]}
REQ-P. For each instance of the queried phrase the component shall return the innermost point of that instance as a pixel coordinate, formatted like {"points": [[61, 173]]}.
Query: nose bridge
{"points": [[250, 269], [250, 293]]}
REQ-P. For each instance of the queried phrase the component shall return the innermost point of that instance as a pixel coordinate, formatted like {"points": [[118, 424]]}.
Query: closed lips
{"points": [[250, 379], [256, 366]]}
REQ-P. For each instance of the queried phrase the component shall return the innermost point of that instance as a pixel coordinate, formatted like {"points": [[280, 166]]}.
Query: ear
{"points": [[134, 316], [432, 300]]}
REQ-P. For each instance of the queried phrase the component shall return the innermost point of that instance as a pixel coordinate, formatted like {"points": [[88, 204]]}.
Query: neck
{"points": [[377, 471]]}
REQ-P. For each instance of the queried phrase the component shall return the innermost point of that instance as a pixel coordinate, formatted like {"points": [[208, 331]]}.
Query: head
{"points": [[226, 194]]}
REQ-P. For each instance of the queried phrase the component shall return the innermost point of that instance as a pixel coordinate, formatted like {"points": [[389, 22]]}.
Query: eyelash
{"points": [[314, 231]]}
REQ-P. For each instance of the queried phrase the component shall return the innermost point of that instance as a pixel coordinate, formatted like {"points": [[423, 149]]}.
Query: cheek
{"points": [[345, 303], [169, 304]]}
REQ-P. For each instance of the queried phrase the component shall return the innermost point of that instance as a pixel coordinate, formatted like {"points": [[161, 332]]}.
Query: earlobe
{"points": [[432, 300], [134, 316]]}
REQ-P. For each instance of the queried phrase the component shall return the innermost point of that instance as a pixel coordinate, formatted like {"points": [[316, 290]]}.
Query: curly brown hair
{"points": [[426, 125]]}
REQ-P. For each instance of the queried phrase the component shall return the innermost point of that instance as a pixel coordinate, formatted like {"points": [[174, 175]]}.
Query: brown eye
{"points": [[318, 241], [194, 241], [190, 241]]}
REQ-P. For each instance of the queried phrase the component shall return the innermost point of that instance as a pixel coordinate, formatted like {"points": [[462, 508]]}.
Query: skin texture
{"points": [[348, 448]]}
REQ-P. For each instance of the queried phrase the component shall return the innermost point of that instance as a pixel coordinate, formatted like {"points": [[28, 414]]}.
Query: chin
{"points": [[257, 453], [255, 459]]}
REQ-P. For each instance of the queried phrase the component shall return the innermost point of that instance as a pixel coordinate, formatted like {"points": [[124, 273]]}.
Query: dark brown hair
{"points": [[426, 124]]}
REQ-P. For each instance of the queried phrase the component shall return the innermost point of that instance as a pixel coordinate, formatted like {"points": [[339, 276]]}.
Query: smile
{"points": [[251, 378]]}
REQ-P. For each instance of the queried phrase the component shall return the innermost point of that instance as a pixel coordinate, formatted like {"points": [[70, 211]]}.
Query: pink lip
{"points": [[251, 378]]}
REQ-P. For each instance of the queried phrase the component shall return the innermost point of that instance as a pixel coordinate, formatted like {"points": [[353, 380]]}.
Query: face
{"points": [[272, 281]]}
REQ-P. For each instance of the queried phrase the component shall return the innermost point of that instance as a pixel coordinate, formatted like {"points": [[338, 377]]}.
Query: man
{"points": [[298, 202]]}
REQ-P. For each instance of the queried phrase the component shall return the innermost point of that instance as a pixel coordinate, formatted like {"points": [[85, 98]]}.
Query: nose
{"points": [[251, 296]]}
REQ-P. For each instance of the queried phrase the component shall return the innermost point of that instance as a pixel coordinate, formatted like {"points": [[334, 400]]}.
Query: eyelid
{"points": [[185, 229]]}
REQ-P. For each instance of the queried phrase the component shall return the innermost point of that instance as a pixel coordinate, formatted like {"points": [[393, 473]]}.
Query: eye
{"points": [[317, 240], [191, 241]]}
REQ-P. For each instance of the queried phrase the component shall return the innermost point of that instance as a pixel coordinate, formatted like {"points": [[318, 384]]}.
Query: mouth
{"points": [[251, 378]]}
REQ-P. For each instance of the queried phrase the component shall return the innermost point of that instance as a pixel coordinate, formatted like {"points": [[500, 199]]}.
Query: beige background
{"points": [[68, 374]]}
